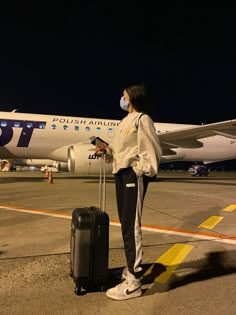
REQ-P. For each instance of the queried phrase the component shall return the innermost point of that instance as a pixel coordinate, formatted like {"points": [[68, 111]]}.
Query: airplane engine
{"points": [[82, 160]]}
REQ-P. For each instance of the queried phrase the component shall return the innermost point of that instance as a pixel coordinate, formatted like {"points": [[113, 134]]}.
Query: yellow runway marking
{"points": [[211, 222], [230, 208], [171, 259]]}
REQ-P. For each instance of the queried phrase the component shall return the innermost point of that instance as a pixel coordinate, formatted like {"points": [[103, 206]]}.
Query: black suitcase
{"points": [[89, 244]]}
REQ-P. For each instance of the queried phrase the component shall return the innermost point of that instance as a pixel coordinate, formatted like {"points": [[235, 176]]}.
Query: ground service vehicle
{"points": [[198, 170], [50, 168]]}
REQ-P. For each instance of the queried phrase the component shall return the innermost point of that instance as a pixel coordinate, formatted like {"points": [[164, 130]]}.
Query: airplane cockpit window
{"points": [[98, 128], [3, 123], [65, 127], [76, 128], [41, 126], [16, 124], [54, 126], [29, 125], [87, 128]]}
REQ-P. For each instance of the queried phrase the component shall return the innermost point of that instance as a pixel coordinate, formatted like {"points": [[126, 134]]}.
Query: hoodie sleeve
{"points": [[149, 149]]}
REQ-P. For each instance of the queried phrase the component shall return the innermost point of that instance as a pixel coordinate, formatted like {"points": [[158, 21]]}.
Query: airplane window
{"points": [[98, 129], [87, 128], [65, 127], [17, 124], [29, 125], [3, 123], [76, 128], [53, 126], [110, 132], [42, 126]]}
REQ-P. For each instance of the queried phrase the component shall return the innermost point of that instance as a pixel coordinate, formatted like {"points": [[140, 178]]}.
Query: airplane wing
{"points": [[190, 137]]}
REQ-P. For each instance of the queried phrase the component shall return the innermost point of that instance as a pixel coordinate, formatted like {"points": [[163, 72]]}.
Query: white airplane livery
{"points": [[66, 139]]}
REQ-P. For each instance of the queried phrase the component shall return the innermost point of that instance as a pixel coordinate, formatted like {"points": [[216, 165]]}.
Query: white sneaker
{"points": [[128, 289]]}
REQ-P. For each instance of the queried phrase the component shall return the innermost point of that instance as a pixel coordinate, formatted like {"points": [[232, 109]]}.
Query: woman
{"points": [[135, 155]]}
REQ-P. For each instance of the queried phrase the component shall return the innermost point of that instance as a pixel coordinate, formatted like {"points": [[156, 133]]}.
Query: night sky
{"points": [[76, 61]]}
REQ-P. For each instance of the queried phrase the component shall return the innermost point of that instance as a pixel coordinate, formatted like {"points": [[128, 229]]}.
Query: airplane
{"points": [[66, 139]]}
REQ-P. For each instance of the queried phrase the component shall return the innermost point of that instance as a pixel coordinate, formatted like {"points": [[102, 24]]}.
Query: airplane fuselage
{"points": [[38, 136]]}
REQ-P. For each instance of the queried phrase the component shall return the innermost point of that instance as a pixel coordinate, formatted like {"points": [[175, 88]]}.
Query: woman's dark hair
{"points": [[138, 97]]}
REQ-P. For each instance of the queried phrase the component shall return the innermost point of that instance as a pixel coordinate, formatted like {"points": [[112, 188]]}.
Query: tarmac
{"points": [[189, 243]]}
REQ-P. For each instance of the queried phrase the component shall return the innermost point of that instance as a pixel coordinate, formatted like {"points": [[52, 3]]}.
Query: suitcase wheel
{"points": [[79, 290]]}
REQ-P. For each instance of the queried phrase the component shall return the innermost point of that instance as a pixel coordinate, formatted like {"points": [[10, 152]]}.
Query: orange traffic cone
{"points": [[46, 174], [50, 179]]}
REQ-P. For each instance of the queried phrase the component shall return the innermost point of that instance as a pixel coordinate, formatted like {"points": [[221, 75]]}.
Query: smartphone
{"points": [[98, 142]]}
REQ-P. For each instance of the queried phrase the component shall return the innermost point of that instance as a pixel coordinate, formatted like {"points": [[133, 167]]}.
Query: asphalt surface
{"points": [[189, 240]]}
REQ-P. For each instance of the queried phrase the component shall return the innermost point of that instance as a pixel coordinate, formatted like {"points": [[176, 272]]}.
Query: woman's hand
{"points": [[100, 152]]}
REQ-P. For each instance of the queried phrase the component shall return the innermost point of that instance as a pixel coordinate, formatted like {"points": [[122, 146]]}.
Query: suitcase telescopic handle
{"points": [[102, 183]]}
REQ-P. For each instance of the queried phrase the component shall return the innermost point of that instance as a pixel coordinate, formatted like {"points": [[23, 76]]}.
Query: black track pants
{"points": [[130, 192]]}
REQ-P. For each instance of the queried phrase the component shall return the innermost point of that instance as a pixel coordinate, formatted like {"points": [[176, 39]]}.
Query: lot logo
{"points": [[27, 127], [93, 157]]}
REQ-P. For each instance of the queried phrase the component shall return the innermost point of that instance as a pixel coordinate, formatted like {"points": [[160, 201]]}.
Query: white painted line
{"points": [[198, 236], [164, 230]]}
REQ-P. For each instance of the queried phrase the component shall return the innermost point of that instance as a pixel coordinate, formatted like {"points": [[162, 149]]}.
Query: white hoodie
{"points": [[136, 145]]}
